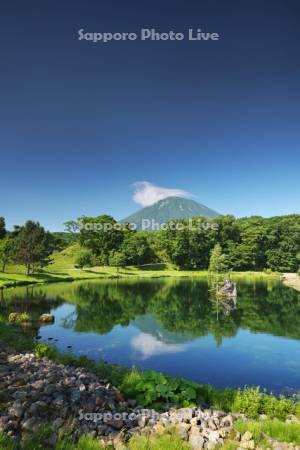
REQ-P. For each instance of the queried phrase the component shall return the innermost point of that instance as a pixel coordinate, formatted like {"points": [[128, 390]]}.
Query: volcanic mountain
{"points": [[170, 208]]}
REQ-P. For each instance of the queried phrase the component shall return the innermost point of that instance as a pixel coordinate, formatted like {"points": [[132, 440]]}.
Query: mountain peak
{"points": [[170, 208]]}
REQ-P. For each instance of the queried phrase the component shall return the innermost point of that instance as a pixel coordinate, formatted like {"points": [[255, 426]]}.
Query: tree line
{"points": [[252, 243]]}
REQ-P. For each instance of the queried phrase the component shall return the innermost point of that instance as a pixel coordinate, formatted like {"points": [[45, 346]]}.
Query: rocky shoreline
{"points": [[75, 401]]}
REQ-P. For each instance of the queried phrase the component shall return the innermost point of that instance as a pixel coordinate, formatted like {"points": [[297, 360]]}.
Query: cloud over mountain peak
{"points": [[146, 193]]}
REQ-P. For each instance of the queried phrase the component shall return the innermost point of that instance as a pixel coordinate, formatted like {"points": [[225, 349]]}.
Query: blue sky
{"points": [[81, 122]]}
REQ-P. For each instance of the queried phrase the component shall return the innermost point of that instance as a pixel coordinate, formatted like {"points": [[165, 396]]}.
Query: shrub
{"points": [[16, 317], [153, 389], [42, 350], [253, 402], [249, 401]]}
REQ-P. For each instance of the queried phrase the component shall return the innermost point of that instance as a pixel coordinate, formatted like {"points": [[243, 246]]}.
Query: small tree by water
{"points": [[218, 261]]}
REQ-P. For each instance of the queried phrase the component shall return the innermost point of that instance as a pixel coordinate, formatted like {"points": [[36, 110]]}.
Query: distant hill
{"points": [[170, 208]]}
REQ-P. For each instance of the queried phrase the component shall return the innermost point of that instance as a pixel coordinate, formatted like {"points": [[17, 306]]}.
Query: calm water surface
{"points": [[174, 326]]}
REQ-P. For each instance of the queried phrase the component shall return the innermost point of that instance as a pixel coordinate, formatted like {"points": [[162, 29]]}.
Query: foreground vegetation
{"points": [[167, 441], [262, 431], [152, 389], [281, 431]]}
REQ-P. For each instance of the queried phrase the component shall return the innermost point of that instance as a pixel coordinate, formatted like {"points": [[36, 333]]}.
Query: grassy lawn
{"points": [[12, 279], [63, 268]]}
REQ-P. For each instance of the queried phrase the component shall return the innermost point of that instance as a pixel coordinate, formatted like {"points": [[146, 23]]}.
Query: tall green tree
{"points": [[6, 252], [100, 234], [34, 245], [2, 228], [218, 261], [136, 249], [84, 259], [117, 259]]}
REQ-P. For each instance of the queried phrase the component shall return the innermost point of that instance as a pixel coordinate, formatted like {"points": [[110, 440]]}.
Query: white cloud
{"points": [[149, 346], [146, 194]]}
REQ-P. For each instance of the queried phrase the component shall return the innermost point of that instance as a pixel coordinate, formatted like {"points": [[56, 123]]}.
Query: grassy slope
{"points": [[62, 269]]}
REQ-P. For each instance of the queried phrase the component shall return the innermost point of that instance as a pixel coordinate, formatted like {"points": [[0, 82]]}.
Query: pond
{"points": [[175, 326]]}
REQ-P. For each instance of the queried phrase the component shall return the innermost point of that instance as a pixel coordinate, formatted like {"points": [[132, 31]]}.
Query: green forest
{"points": [[254, 243], [221, 244]]}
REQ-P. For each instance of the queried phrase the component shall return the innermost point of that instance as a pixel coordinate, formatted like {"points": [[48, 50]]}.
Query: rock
{"points": [[182, 431], [238, 436], [47, 318], [204, 424], [98, 401], [12, 425], [17, 409], [142, 421], [194, 429], [185, 414], [212, 425], [116, 423], [195, 421], [196, 441], [247, 436], [3, 422], [292, 419], [30, 424], [249, 445], [263, 417], [227, 421], [50, 389], [102, 430], [159, 428], [74, 400], [20, 395], [58, 423], [38, 385], [131, 402], [214, 436], [224, 431]]}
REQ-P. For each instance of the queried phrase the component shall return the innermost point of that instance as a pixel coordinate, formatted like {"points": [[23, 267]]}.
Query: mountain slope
{"points": [[170, 208]]}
